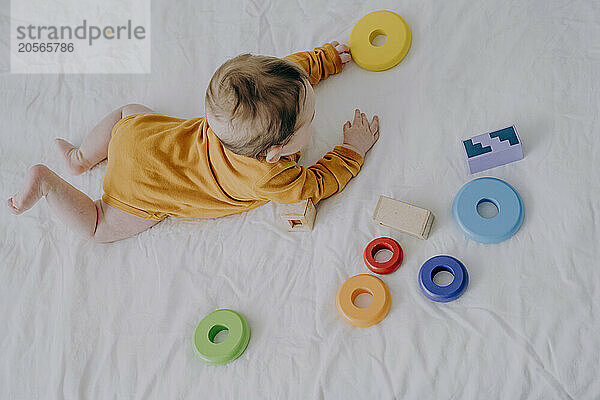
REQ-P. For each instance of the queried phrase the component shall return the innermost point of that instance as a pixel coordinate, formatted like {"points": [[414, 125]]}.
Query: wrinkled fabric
{"points": [[91, 321]]}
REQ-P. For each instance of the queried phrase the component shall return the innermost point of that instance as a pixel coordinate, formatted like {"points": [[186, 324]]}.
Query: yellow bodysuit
{"points": [[161, 166]]}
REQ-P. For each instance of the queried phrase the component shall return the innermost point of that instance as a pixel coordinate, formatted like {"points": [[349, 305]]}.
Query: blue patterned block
{"points": [[509, 134], [492, 149], [475, 149]]}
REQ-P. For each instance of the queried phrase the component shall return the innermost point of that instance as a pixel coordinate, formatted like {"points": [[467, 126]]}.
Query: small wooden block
{"points": [[300, 216], [415, 221]]}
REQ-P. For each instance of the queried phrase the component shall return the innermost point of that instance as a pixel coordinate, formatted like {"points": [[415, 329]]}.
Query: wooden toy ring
{"points": [[366, 316], [234, 344], [448, 293], [386, 267], [488, 230], [379, 58]]}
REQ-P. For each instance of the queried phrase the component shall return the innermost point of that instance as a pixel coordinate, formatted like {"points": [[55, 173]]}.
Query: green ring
{"points": [[234, 344]]}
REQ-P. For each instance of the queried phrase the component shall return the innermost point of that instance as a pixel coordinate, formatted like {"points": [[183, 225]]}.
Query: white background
{"points": [[84, 320]]}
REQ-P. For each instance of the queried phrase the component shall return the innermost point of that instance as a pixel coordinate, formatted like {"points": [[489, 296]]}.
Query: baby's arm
{"points": [[322, 61], [287, 182]]}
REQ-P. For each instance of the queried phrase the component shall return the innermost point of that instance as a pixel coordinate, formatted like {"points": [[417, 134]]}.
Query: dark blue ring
{"points": [[448, 293]]}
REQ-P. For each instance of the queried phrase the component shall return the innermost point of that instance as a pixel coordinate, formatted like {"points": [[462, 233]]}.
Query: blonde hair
{"points": [[259, 99]]}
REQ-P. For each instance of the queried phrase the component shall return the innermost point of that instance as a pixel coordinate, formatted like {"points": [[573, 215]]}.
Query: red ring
{"points": [[383, 267]]}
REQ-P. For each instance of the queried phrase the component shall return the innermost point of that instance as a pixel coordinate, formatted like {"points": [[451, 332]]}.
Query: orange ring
{"points": [[367, 316]]}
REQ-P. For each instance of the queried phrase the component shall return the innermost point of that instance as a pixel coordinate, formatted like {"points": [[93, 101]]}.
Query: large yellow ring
{"points": [[379, 58], [366, 316]]}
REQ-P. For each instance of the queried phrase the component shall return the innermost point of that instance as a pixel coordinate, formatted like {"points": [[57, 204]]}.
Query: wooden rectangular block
{"points": [[300, 216], [404, 217]]}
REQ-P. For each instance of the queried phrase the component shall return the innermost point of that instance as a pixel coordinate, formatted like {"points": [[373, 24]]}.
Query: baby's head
{"points": [[261, 106]]}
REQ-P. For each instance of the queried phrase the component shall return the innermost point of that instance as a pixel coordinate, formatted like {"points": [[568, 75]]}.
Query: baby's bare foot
{"points": [[73, 157], [33, 189]]}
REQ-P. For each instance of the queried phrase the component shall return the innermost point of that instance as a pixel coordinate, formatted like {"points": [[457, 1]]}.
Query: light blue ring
{"points": [[488, 230]]}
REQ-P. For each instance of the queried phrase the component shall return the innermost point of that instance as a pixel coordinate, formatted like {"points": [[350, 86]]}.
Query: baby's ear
{"points": [[273, 153]]}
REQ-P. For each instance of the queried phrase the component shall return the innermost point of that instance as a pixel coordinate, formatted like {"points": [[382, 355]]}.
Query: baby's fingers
{"points": [[347, 125], [357, 119], [342, 48], [375, 125], [345, 57], [364, 120]]}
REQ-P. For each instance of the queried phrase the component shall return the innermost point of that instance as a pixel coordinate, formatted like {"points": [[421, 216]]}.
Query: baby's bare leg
{"points": [[94, 147], [96, 221]]}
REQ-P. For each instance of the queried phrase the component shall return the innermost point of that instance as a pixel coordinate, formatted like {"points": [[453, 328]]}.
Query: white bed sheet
{"points": [[85, 320]]}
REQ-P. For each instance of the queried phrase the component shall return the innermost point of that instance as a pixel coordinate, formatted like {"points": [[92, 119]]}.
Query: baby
{"points": [[244, 153]]}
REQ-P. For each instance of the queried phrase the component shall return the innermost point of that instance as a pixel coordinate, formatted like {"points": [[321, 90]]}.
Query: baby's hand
{"points": [[343, 51], [359, 135]]}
